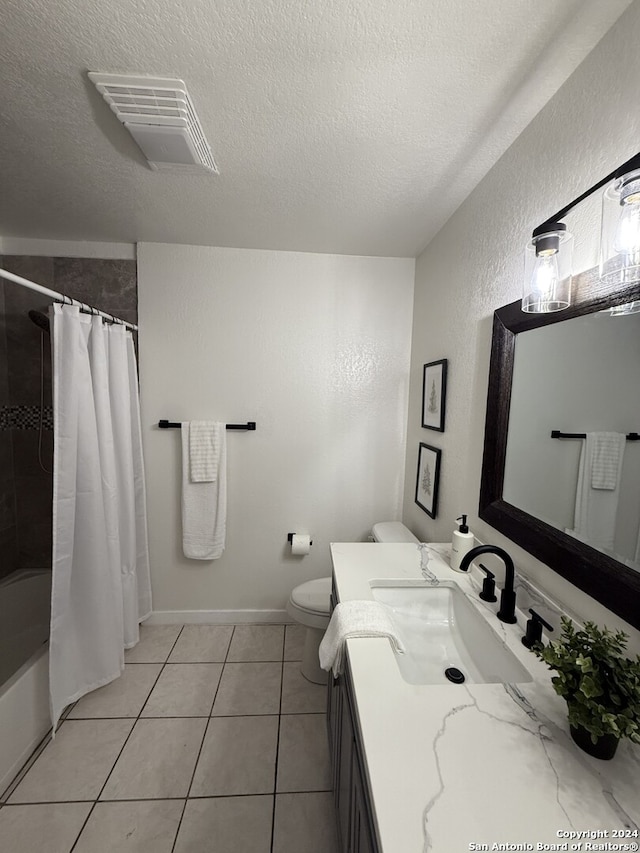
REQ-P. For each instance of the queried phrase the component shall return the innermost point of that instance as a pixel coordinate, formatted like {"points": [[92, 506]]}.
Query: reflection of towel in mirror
{"points": [[606, 453], [597, 506]]}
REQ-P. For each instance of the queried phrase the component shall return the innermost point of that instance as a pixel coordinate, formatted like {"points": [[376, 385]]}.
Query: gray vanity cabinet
{"points": [[356, 833]]}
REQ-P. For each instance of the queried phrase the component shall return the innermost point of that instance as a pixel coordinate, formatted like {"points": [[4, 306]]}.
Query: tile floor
{"points": [[210, 742]]}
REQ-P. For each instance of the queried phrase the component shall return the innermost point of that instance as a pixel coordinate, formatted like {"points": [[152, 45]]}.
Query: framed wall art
{"points": [[428, 478], [434, 392]]}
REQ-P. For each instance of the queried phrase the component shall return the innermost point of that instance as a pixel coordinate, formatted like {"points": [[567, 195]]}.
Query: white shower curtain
{"points": [[101, 585]]}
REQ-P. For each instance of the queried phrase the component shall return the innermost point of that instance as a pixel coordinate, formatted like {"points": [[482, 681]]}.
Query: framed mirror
{"points": [[529, 479]]}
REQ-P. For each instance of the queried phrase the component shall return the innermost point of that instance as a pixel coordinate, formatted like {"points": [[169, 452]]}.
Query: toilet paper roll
{"points": [[300, 544]]}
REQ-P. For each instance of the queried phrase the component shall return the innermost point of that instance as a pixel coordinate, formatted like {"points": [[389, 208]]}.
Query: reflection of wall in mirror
{"points": [[580, 375]]}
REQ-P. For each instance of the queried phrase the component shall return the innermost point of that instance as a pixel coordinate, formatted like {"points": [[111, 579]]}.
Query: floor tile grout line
{"points": [[153, 687], [239, 796], [251, 660], [224, 663], [275, 770], [204, 735], [126, 741], [162, 799], [199, 716], [86, 821], [93, 802], [186, 799], [192, 663]]}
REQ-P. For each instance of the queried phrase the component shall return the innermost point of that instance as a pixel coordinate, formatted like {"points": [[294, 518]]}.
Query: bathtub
{"points": [[25, 597]]}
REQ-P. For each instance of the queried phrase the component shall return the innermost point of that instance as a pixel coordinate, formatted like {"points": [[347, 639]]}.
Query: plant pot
{"points": [[604, 748]]}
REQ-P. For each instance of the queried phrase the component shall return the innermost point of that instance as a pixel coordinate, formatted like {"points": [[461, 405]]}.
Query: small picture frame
{"points": [[428, 478], [434, 392]]}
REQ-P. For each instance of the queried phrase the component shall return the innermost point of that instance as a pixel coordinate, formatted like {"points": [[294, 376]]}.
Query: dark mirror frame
{"points": [[613, 584]]}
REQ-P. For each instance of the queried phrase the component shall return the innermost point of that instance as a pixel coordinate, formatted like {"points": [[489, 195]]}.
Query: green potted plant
{"points": [[600, 685]]}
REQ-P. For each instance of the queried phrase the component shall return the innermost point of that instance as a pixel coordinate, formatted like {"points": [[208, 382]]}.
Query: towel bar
{"points": [[555, 433], [250, 425]]}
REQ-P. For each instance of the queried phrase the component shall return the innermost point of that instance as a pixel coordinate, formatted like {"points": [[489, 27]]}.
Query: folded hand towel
{"points": [[204, 506], [204, 450], [355, 619], [607, 451], [596, 508]]}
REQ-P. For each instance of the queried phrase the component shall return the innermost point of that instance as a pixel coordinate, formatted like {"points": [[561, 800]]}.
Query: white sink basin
{"points": [[440, 628]]}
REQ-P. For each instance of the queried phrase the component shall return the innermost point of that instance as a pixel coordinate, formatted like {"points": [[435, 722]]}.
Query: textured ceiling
{"points": [[346, 126]]}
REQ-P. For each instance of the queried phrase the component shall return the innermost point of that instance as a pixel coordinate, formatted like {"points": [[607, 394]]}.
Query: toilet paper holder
{"points": [[291, 535]]}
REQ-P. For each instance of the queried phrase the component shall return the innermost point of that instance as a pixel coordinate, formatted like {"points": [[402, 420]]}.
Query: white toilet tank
{"points": [[392, 531]]}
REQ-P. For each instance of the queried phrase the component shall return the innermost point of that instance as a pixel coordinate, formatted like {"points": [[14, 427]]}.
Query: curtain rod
{"points": [[61, 297]]}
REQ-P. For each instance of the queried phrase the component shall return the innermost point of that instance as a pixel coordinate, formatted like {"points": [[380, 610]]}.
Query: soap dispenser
{"points": [[462, 541]]}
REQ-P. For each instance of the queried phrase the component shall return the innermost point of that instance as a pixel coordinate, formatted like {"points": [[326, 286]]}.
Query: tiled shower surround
{"points": [[25, 489]]}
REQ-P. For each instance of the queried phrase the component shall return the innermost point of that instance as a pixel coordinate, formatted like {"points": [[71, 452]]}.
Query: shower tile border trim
{"points": [[25, 417]]}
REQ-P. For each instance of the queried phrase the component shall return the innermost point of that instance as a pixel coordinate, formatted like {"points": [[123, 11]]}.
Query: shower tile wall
{"points": [[8, 527], [25, 489], [32, 485]]}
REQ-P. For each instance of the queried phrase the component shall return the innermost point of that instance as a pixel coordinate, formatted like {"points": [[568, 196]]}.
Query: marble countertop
{"points": [[456, 767]]}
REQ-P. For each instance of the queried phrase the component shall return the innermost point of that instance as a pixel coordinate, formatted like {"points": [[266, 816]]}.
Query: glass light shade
{"points": [[547, 273], [620, 234]]}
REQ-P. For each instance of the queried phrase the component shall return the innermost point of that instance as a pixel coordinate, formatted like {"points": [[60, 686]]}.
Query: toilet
{"points": [[309, 603]]}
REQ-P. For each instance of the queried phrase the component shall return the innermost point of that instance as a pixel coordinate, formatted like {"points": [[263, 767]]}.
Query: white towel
{"points": [[204, 450], [204, 506], [608, 447], [355, 619], [596, 509]]}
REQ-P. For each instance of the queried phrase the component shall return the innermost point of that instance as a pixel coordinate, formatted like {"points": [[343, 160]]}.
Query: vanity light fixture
{"points": [[547, 273], [620, 234], [547, 284]]}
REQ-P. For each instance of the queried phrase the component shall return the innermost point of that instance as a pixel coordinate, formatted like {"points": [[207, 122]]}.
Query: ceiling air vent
{"points": [[160, 115]]}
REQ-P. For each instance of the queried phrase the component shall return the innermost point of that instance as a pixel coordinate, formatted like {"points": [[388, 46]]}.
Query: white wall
{"points": [[475, 265], [315, 349]]}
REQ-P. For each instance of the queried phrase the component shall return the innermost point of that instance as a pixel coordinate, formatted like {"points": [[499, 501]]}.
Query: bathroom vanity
{"points": [[356, 827], [352, 798], [423, 764]]}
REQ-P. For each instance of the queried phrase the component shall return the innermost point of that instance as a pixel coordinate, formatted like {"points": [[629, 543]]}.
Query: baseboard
{"points": [[217, 617]]}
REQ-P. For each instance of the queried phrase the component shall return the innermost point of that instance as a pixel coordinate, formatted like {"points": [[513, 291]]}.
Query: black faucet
{"points": [[507, 612], [534, 629]]}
